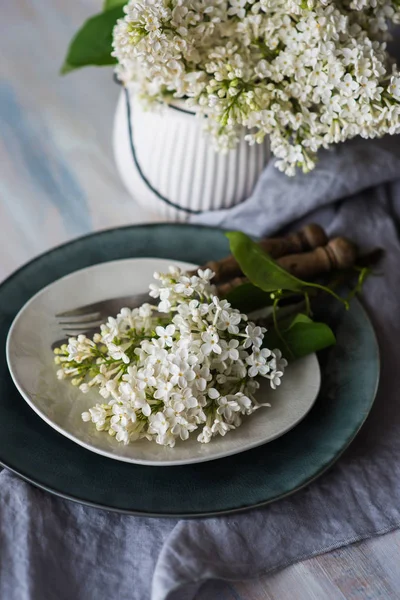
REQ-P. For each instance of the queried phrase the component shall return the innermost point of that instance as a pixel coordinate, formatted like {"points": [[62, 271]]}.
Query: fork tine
{"points": [[72, 333], [82, 311], [81, 327], [112, 305], [81, 319], [75, 333]]}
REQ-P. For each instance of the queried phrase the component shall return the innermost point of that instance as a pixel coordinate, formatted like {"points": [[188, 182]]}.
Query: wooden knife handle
{"points": [[309, 237], [339, 253]]}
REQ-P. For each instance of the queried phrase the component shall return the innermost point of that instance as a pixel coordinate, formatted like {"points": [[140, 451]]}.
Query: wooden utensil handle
{"points": [[310, 236], [339, 253]]}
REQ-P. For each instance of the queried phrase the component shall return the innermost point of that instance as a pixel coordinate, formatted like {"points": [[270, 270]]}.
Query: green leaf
{"points": [[113, 3], [92, 44], [265, 273], [248, 297], [301, 337], [305, 338], [262, 271], [299, 318]]}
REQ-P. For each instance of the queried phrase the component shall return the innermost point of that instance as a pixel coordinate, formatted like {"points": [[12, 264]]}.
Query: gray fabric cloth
{"points": [[342, 172], [51, 548]]}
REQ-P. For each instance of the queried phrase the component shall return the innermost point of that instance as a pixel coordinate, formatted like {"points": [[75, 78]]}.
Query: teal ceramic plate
{"points": [[350, 374]]}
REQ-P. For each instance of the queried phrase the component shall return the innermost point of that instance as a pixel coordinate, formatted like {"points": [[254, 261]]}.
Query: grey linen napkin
{"points": [[51, 548]]}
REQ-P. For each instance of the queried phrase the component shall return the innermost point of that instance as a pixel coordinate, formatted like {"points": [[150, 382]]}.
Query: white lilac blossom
{"points": [[188, 364], [305, 73]]}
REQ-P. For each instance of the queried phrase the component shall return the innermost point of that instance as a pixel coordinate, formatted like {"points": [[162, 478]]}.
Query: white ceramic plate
{"points": [[31, 363]]}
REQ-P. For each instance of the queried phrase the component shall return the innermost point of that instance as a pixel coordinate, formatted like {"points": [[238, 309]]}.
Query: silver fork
{"points": [[87, 319]]}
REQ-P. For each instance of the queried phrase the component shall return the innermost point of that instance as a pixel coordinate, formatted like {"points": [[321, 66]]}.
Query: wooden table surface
{"points": [[58, 181]]}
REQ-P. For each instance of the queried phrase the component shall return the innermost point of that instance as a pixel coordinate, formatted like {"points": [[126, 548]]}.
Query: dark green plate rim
{"points": [[35, 480]]}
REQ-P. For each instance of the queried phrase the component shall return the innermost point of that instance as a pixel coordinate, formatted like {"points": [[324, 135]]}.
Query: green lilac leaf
{"points": [[248, 298], [300, 318], [265, 273], [303, 336], [260, 268], [92, 44]]}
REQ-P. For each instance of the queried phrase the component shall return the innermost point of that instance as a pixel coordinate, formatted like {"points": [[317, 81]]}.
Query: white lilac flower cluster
{"points": [[188, 364], [306, 73]]}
